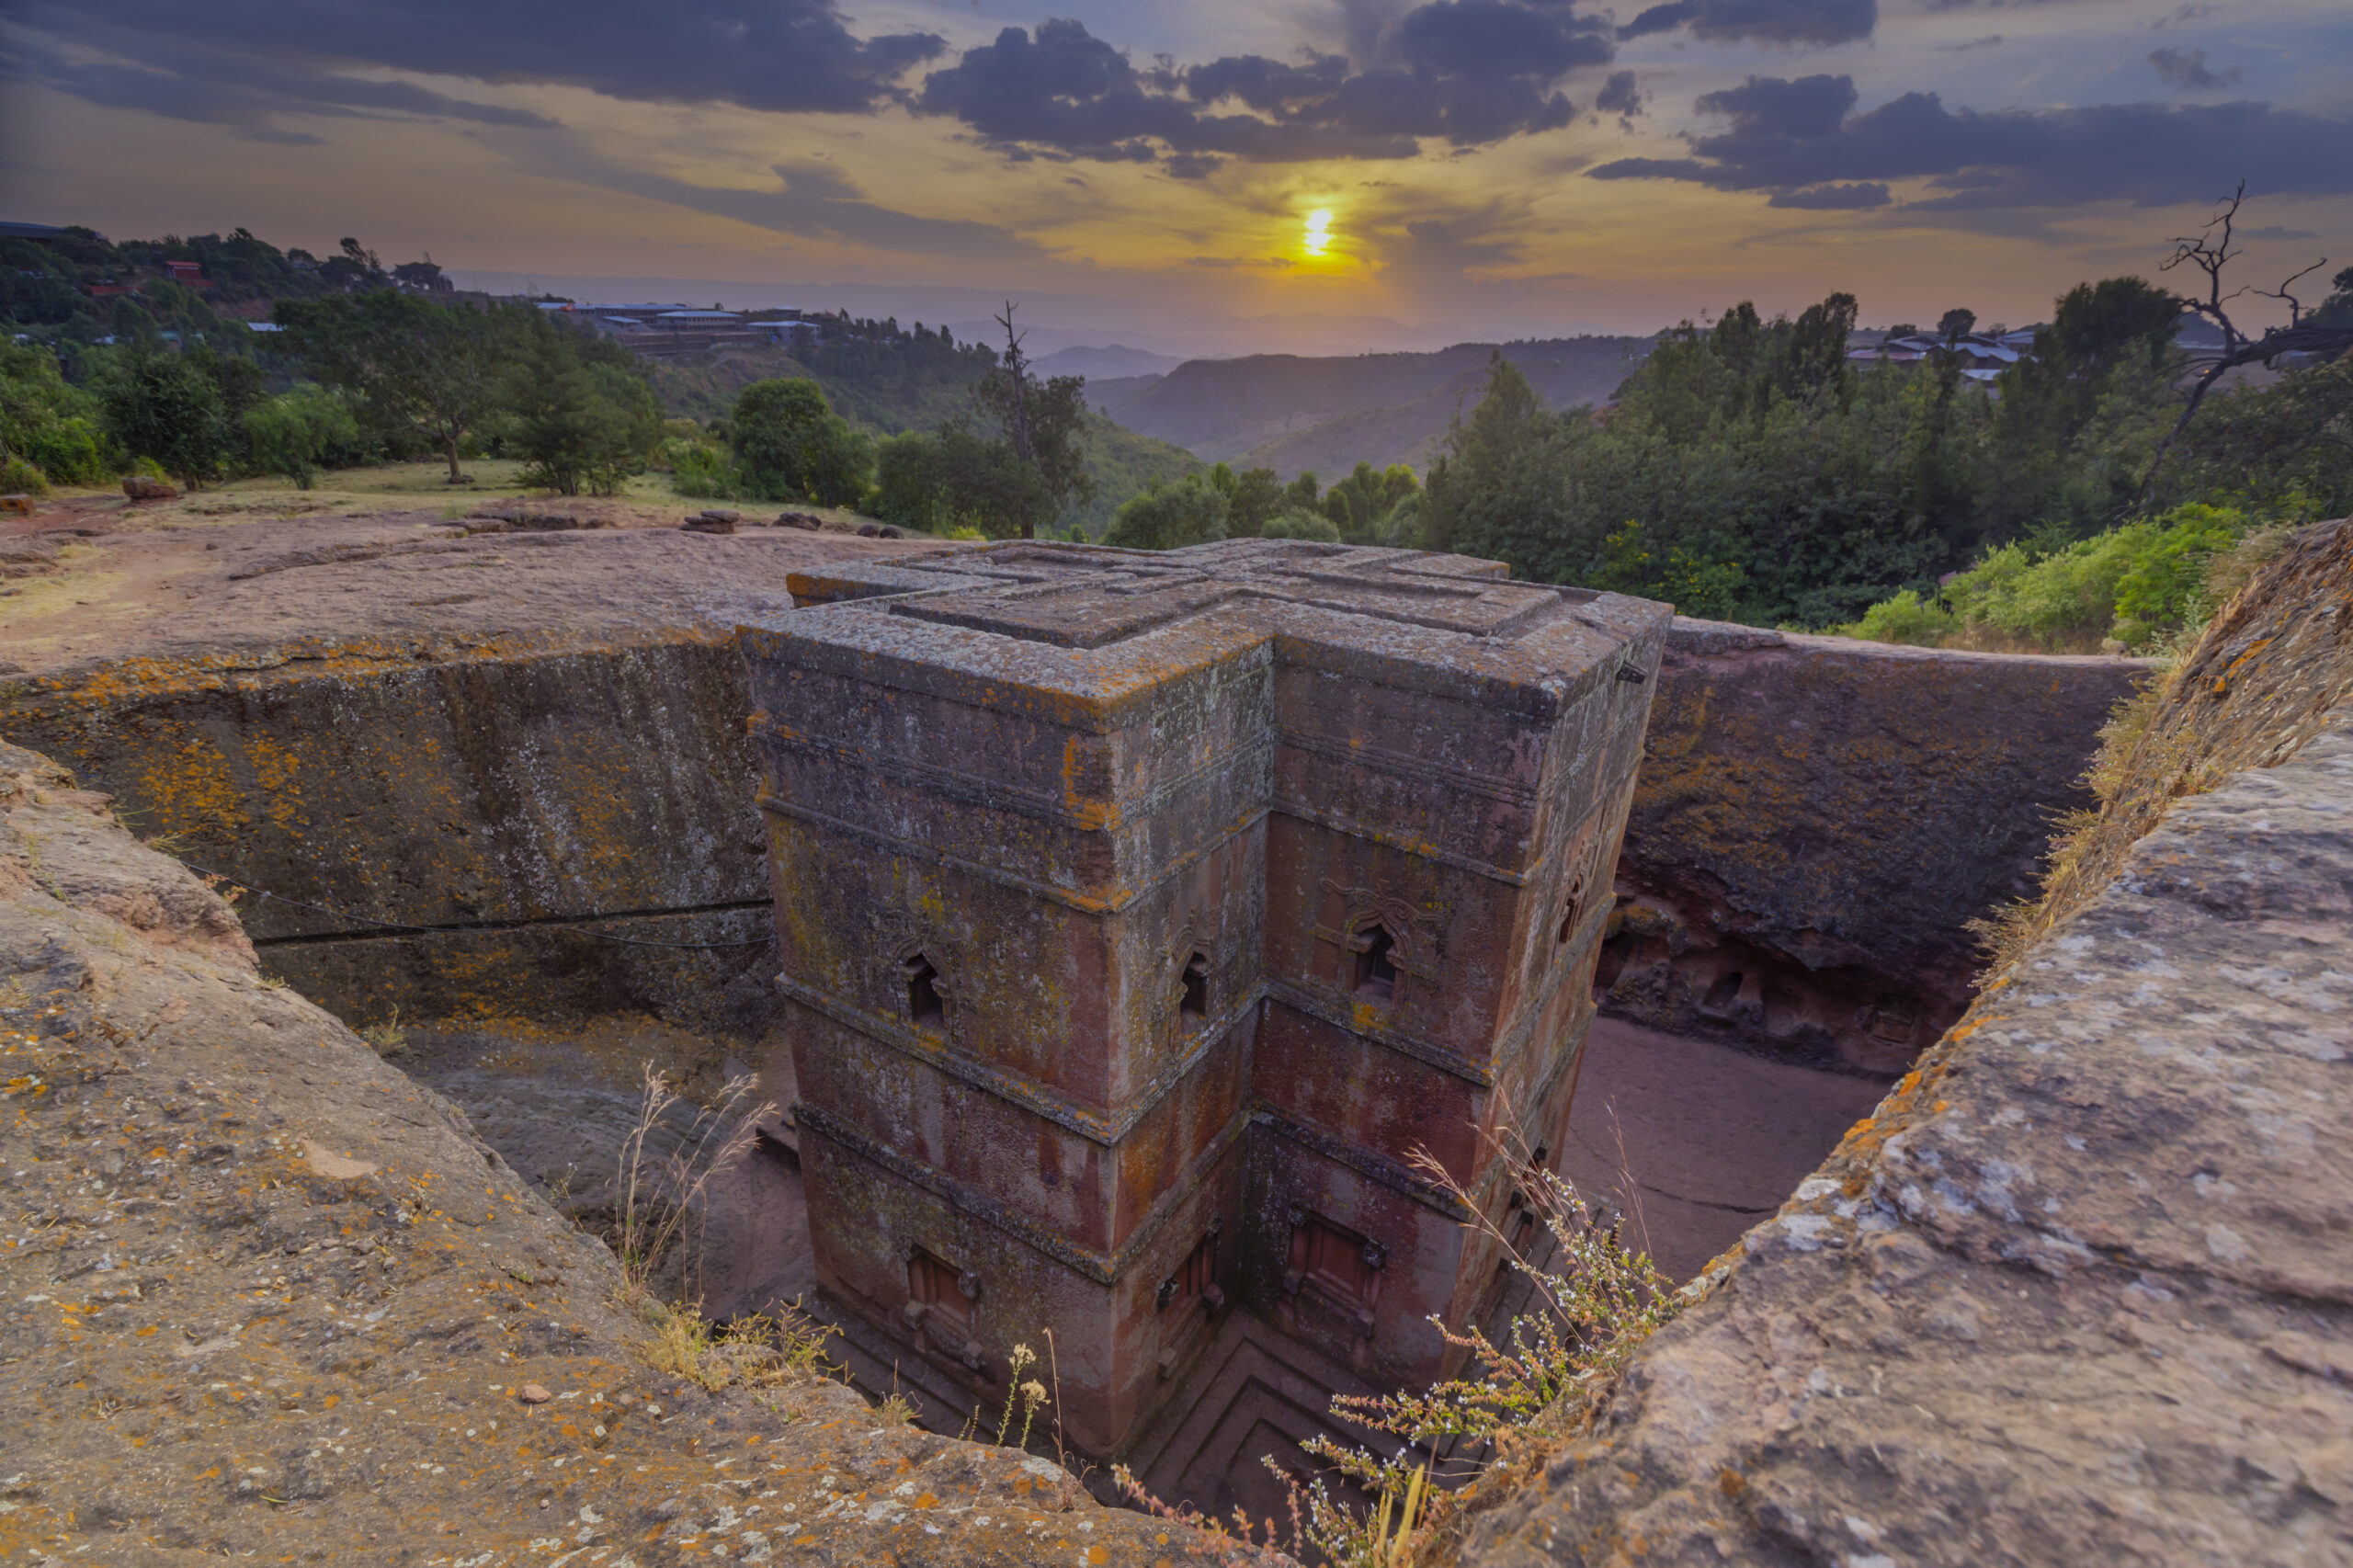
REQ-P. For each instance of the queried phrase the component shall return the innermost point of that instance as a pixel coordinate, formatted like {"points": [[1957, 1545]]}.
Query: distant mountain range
{"points": [[1109, 363], [1289, 414]]}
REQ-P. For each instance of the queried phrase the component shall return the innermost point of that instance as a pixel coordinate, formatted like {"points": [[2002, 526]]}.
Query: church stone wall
{"points": [[1140, 915]]}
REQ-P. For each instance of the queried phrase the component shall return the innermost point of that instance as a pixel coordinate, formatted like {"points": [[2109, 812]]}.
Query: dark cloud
{"points": [[1834, 197], [1761, 21], [764, 54], [809, 199], [2186, 70], [1988, 41], [1796, 138], [1620, 97], [212, 87], [1495, 40], [1775, 107], [1464, 72]]}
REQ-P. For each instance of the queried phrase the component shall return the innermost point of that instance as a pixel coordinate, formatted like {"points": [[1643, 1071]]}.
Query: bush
{"points": [[1295, 523], [2129, 590], [578, 422], [164, 407], [71, 450], [790, 445], [697, 469], [18, 477], [294, 433], [1169, 516], [1906, 618], [46, 422]]}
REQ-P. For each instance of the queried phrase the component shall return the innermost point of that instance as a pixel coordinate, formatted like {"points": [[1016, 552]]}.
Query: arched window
{"points": [[1376, 967], [924, 1006], [1193, 1001]]}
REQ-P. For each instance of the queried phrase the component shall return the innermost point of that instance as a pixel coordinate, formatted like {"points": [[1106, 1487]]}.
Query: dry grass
{"points": [[387, 1039], [2246, 689], [668, 1159], [758, 1351], [670, 1156], [1595, 1303]]}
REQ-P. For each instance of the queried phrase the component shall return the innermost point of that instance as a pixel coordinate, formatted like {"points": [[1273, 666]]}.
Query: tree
{"points": [[164, 406], [1954, 325], [294, 432], [1362, 506], [416, 369], [45, 421], [2209, 253], [1041, 424], [579, 412], [1252, 498], [791, 444], [1170, 516]]}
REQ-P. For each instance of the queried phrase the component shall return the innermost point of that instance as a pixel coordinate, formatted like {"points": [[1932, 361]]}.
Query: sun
{"points": [[1319, 231]]}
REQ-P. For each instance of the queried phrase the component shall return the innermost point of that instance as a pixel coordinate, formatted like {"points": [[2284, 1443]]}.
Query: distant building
{"points": [[188, 272], [1983, 355]]}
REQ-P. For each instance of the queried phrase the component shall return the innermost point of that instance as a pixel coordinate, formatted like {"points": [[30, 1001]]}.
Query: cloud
{"points": [[1795, 138], [1468, 72], [208, 87], [2185, 70], [1988, 41], [792, 55], [809, 199], [1834, 197], [1618, 95], [1761, 21]]}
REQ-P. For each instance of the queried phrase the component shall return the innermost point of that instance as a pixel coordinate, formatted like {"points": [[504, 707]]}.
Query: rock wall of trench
{"points": [[1818, 821], [1815, 822], [2081, 1290], [563, 831], [263, 1295]]}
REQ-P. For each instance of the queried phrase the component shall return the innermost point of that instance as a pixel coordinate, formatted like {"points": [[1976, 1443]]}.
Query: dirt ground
{"points": [[1697, 1142]]}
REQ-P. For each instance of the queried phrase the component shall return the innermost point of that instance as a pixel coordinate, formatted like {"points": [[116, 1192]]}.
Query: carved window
{"points": [[1569, 915], [1199, 1272], [1343, 1263], [1193, 1000], [943, 1293], [1376, 963], [924, 1005]]}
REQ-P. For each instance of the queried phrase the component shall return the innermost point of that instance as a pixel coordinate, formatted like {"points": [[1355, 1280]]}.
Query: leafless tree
{"points": [[1018, 366], [2207, 254]]}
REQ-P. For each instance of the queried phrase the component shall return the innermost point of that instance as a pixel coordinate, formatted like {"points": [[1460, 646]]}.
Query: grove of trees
{"points": [[1750, 470]]}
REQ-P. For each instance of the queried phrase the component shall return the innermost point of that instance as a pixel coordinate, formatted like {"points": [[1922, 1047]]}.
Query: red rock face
{"points": [[1142, 914]]}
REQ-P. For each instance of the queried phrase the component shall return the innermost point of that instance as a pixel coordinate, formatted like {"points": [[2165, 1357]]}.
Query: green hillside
{"points": [[1291, 412]]}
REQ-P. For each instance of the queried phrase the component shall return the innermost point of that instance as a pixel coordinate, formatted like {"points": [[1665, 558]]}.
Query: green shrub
{"points": [[697, 469], [2165, 588], [293, 433], [1906, 618], [18, 477], [790, 444], [1169, 516], [2129, 588], [165, 407], [46, 422], [1296, 523]]}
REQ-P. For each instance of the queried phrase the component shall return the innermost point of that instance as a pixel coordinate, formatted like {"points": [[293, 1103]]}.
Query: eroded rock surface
{"points": [[2080, 1292], [262, 1294], [1817, 822]]}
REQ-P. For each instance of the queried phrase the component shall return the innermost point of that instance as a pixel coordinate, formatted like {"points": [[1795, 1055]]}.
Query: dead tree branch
{"points": [[2210, 252]]}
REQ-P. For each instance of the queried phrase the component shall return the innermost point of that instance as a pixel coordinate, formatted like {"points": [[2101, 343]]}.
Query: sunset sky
{"points": [[1149, 172]]}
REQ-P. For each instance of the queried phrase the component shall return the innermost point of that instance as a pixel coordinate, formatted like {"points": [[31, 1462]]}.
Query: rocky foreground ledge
{"points": [[261, 1295], [2081, 1292]]}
